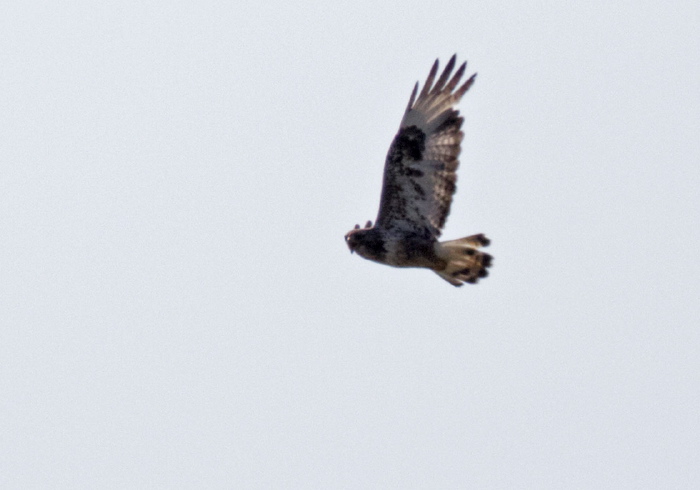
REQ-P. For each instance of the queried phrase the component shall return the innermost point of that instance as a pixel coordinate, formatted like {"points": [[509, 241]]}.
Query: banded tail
{"points": [[465, 263]]}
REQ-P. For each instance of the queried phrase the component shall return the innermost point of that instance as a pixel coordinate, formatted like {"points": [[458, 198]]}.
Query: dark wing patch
{"points": [[420, 169], [409, 144]]}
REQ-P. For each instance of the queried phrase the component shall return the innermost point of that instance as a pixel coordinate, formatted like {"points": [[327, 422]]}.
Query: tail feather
{"points": [[465, 263]]}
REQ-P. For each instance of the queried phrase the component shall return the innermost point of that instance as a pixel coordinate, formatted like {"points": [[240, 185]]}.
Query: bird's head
{"points": [[355, 236], [366, 241]]}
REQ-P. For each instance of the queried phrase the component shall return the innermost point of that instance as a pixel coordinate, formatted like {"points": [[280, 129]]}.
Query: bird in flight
{"points": [[419, 181]]}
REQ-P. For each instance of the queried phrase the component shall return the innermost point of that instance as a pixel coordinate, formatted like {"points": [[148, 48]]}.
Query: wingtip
{"points": [[429, 81], [457, 77], [412, 99], [440, 84], [463, 89]]}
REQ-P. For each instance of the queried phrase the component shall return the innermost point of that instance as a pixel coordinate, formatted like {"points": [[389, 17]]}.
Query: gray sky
{"points": [[179, 308]]}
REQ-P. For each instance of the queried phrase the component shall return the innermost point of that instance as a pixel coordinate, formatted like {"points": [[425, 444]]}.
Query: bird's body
{"points": [[419, 181]]}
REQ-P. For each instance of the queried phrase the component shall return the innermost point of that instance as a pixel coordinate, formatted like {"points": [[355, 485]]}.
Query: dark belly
{"points": [[415, 253]]}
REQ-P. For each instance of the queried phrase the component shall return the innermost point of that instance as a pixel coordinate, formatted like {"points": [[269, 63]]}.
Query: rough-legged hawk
{"points": [[419, 181]]}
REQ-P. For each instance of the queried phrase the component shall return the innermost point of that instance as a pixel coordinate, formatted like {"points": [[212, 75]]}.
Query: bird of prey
{"points": [[419, 181]]}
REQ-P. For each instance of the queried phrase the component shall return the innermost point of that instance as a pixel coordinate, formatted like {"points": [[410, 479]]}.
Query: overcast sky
{"points": [[178, 307]]}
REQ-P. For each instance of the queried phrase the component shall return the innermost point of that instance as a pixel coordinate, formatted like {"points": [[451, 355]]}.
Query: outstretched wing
{"points": [[420, 168]]}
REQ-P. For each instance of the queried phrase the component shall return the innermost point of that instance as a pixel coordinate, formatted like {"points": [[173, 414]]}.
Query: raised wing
{"points": [[420, 168]]}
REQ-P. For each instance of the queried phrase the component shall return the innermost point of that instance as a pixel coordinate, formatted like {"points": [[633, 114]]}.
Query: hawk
{"points": [[419, 181]]}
